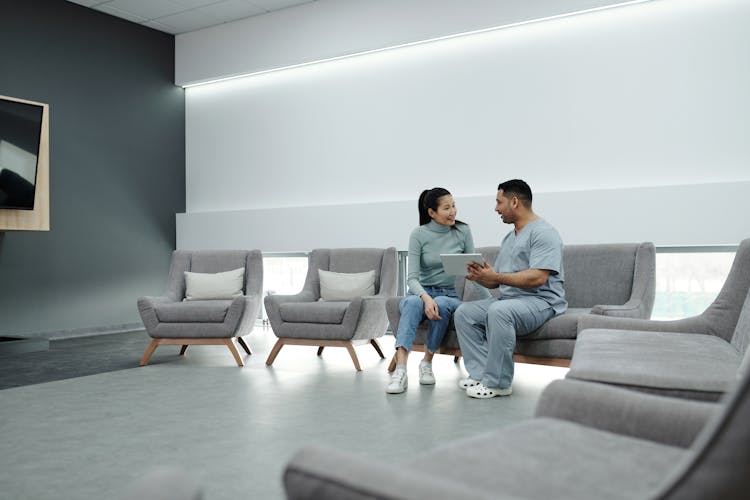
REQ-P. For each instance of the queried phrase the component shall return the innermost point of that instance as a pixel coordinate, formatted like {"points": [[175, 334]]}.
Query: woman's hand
{"points": [[430, 307]]}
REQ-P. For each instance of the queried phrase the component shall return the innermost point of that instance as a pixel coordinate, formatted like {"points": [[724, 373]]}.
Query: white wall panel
{"points": [[709, 214], [632, 101], [335, 28]]}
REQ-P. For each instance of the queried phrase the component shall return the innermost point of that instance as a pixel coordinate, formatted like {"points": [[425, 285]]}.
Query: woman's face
{"points": [[446, 211]]}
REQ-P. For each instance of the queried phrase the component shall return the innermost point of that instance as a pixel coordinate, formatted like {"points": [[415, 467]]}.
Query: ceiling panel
{"points": [[182, 16]]}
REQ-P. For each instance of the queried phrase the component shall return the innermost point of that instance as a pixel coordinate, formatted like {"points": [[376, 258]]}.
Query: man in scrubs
{"points": [[529, 273]]}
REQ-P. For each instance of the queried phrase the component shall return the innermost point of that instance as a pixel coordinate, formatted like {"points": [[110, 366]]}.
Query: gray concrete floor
{"points": [[233, 429]]}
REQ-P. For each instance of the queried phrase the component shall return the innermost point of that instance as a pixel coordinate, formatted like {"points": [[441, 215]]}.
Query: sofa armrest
{"points": [[671, 421], [147, 311], [633, 308], [372, 322], [320, 474], [249, 314], [393, 311], [694, 324], [235, 313]]}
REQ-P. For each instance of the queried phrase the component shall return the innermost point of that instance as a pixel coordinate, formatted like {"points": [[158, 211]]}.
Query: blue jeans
{"points": [[412, 314]]}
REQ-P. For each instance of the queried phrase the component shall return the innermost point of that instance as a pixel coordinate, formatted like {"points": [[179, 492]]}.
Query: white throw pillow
{"points": [[346, 286], [214, 286]]}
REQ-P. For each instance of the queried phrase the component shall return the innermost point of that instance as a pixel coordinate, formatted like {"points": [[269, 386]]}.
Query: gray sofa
{"points": [[587, 441], [304, 319], [605, 280], [170, 320], [696, 357]]}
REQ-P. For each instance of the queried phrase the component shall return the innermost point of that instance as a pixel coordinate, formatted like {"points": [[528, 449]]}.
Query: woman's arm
{"points": [[412, 277], [415, 264]]}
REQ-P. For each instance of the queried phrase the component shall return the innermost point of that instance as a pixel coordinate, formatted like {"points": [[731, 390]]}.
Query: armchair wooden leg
{"points": [[353, 354], [375, 344], [275, 351], [183, 349], [392, 365], [149, 351], [320, 350], [242, 343], [230, 344]]}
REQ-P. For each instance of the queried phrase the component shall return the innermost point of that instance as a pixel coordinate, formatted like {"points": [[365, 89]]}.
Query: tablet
{"points": [[455, 263]]}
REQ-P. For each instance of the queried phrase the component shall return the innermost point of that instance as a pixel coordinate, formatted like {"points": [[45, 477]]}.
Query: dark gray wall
{"points": [[117, 166]]}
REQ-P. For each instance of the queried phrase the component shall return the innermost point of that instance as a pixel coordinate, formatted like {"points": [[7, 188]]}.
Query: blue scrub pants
{"points": [[487, 331]]}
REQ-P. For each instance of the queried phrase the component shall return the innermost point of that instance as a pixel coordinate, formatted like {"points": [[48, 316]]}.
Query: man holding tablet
{"points": [[529, 273]]}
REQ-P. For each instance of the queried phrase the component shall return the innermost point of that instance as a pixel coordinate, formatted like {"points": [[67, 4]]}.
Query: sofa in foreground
{"points": [[587, 441]]}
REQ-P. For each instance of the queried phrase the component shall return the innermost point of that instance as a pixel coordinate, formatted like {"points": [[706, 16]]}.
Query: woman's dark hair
{"points": [[430, 199]]}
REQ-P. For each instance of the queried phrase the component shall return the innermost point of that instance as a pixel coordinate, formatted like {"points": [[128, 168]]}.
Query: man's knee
{"points": [[459, 316]]}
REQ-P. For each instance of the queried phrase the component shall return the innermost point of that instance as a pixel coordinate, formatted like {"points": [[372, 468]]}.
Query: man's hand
{"points": [[430, 307], [483, 274], [486, 276]]}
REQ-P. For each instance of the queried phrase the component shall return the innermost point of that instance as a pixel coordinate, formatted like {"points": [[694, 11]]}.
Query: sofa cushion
{"points": [[346, 286], [214, 286], [194, 311], [606, 465], [564, 326], [702, 366], [313, 312]]}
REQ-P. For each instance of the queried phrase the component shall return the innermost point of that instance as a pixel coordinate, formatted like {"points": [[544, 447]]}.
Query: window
{"points": [[283, 274], [689, 279]]}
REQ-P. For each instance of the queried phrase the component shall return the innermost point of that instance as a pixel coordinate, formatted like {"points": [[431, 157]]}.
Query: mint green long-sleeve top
{"points": [[426, 243]]}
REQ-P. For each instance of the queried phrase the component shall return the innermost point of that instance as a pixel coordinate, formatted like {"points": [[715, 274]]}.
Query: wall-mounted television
{"points": [[24, 165], [20, 137]]}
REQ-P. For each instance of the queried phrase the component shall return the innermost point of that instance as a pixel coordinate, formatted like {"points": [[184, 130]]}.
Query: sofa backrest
{"points": [[212, 261], [722, 316], [354, 260], [741, 337], [599, 274], [594, 274], [718, 464]]}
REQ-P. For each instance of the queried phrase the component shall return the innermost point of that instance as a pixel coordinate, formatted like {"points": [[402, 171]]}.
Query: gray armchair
{"points": [[587, 441], [304, 319], [696, 357], [171, 320], [600, 280]]}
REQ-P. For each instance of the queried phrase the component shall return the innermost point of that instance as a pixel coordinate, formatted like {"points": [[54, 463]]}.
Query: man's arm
{"points": [[486, 276]]}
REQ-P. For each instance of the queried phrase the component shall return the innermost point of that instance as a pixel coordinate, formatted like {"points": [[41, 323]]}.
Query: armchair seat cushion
{"points": [[323, 312], [195, 311], [682, 364]]}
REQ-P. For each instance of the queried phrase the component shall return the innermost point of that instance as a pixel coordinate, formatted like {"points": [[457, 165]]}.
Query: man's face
{"points": [[505, 207]]}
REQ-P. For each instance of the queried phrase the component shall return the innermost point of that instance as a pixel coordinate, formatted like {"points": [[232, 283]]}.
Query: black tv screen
{"points": [[20, 135]]}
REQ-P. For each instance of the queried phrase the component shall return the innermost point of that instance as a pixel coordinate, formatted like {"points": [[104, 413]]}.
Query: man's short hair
{"points": [[517, 188]]}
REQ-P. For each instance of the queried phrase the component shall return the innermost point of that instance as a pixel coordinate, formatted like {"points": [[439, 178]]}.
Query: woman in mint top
{"points": [[432, 293]]}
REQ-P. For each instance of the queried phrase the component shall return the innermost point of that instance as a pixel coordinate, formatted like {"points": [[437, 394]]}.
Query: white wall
{"points": [[636, 117], [335, 28]]}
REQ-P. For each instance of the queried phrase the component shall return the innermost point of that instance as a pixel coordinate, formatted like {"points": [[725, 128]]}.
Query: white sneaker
{"points": [[426, 377], [467, 382], [479, 391], [399, 382]]}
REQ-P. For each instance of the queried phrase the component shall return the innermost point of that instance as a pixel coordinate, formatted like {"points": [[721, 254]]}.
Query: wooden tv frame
{"points": [[38, 218]]}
